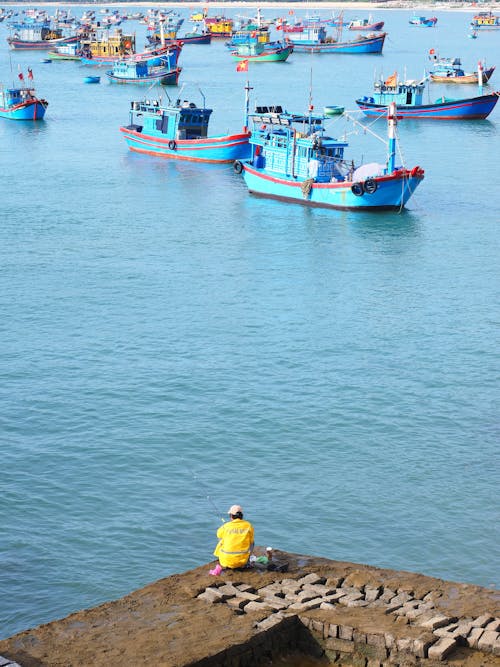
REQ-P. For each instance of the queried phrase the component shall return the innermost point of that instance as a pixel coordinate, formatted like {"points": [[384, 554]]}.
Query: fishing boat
{"points": [[103, 46], [423, 21], [142, 72], [180, 131], [408, 97], [449, 70], [66, 51], [258, 52], [366, 24], [314, 39], [293, 159], [21, 103], [92, 79], [485, 21], [218, 26], [259, 35], [38, 36]]}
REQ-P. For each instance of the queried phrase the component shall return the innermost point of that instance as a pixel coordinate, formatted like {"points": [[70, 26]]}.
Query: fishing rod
{"points": [[206, 491]]}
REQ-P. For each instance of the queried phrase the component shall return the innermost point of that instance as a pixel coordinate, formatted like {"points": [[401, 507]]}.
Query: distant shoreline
{"points": [[327, 4]]}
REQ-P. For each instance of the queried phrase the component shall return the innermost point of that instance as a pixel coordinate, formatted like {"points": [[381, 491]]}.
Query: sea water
{"points": [[172, 345]]}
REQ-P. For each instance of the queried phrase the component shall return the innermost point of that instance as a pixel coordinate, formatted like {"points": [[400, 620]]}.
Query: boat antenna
{"points": [[203, 97]]}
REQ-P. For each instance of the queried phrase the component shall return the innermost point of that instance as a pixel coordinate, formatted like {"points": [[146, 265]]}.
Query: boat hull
{"points": [[54, 55], [465, 78], [267, 56], [371, 45], [219, 149], [474, 108], [40, 45], [393, 191], [368, 27], [165, 78], [33, 110]]}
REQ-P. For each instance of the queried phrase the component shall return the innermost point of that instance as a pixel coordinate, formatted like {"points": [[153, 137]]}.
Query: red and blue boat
{"points": [[180, 131], [293, 159], [38, 36], [21, 103], [409, 99]]}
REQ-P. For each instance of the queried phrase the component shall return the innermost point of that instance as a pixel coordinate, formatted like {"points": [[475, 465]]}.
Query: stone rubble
{"points": [[282, 599]]}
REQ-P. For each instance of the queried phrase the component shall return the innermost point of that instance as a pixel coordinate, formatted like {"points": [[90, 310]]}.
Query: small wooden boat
{"points": [[423, 21], [21, 103], [180, 131], [333, 110], [408, 97], [66, 51], [142, 72], [92, 79], [293, 159], [258, 52], [366, 24], [449, 70]]}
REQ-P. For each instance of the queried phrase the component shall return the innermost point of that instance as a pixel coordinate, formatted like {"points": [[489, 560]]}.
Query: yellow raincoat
{"points": [[236, 543]]}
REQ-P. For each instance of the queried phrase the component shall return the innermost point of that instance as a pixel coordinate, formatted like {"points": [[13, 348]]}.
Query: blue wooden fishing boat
{"points": [[293, 159], [314, 39], [21, 103], [143, 72], [408, 97], [423, 21], [92, 79], [180, 131]]}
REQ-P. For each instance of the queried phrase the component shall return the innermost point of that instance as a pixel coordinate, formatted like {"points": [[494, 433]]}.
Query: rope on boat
{"points": [[306, 187]]}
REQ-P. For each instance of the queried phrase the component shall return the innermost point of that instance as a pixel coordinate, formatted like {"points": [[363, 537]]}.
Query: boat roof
{"points": [[275, 115]]}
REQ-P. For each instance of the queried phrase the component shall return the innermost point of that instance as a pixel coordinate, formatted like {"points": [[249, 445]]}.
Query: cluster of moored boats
{"points": [[280, 154]]}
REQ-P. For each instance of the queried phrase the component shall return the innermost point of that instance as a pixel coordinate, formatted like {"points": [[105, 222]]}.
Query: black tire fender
{"points": [[370, 186], [357, 189], [238, 167], [172, 145]]}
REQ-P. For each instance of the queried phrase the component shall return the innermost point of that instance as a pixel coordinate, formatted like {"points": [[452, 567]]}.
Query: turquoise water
{"points": [[171, 345]]}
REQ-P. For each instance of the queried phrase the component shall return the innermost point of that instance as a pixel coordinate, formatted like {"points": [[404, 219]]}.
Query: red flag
{"points": [[432, 52], [30, 74], [21, 76], [242, 66]]}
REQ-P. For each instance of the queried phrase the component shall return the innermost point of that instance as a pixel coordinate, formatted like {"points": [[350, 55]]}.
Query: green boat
{"points": [[258, 52], [66, 52], [333, 110]]}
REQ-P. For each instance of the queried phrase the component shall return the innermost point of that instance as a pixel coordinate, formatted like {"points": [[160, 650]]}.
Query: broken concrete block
{"points": [[236, 603], [493, 625], [346, 632], [311, 579], [420, 647], [487, 640], [359, 637], [299, 607], [404, 644], [269, 622], [316, 626], [246, 595], [482, 621], [326, 605], [387, 595], [256, 606], [438, 621], [373, 639], [371, 594], [473, 637], [339, 645], [441, 648], [212, 595], [333, 630]]}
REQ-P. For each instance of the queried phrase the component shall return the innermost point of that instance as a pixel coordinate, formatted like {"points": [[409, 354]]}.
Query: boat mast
{"points": [[391, 133], [248, 88], [480, 77]]}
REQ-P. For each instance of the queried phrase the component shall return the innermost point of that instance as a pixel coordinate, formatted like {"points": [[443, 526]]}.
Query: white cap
{"points": [[235, 509]]}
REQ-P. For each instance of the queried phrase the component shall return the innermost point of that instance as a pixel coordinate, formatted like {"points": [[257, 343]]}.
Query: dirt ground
{"points": [[164, 625]]}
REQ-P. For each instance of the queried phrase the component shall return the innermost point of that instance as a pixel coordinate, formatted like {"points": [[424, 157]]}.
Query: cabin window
{"points": [[408, 97], [162, 124]]}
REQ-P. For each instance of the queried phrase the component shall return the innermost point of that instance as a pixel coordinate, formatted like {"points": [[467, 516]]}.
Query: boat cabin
{"points": [[102, 43], [407, 93], [184, 120], [313, 34], [10, 97], [295, 145]]}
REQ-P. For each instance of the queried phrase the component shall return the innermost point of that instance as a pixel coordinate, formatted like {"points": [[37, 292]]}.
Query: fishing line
{"points": [[205, 489]]}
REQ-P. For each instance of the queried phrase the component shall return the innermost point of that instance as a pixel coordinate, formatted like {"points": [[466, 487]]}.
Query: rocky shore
{"points": [[317, 610]]}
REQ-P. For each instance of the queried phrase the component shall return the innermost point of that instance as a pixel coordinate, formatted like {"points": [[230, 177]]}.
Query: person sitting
{"points": [[236, 540]]}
